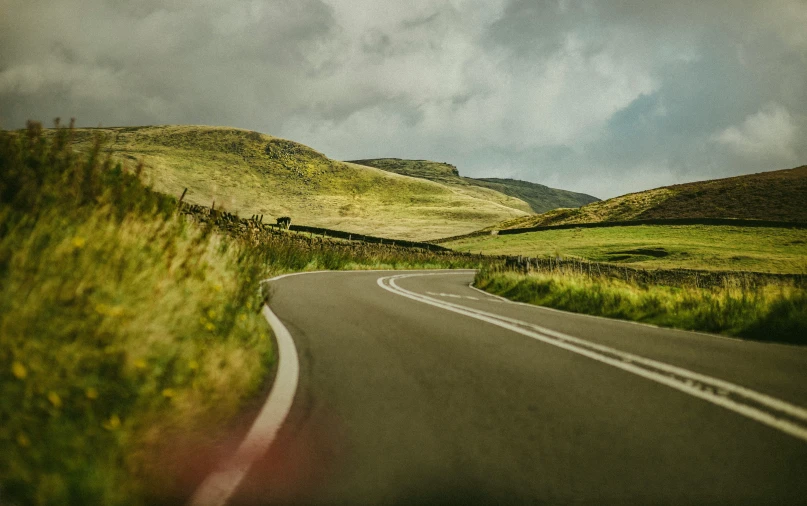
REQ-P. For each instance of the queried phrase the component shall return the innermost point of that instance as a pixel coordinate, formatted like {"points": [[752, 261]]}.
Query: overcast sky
{"points": [[603, 97]]}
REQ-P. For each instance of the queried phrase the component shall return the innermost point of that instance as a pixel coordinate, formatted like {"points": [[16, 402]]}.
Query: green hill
{"points": [[539, 198], [251, 173], [777, 195], [424, 169]]}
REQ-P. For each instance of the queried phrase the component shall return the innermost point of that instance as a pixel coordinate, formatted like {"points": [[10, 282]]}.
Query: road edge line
{"points": [[219, 486]]}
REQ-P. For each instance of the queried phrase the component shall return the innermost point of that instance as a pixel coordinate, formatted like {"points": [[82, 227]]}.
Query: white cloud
{"points": [[544, 91], [769, 133]]}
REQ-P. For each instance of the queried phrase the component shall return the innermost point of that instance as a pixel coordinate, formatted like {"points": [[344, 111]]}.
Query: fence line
{"points": [[255, 229], [671, 277], [632, 223]]}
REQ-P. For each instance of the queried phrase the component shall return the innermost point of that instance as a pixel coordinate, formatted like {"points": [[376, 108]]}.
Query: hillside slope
{"points": [[777, 195], [251, 173], [539, 198]]}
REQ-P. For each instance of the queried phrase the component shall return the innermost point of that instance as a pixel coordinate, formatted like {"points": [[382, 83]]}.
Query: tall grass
{"points": [[121, 325], [767, 313], [125, 325]]}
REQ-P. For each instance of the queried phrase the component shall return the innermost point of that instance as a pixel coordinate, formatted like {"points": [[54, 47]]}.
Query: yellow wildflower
{"points": [[54, 399], [140, 363], [168, 392], [243, 317], [211, 314], [193, 365], [91, 393], [79, 242], [210, 327], [112, 424], [217, 287], [18, 370]]}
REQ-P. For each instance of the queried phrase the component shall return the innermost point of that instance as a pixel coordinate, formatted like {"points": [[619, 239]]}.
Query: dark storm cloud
{"points": [[155, 62], [601, 97]]}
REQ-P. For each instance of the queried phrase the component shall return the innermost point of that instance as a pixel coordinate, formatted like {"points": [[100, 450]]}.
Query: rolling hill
{"points": [[255, 174], [777, 196], [538, 197]]}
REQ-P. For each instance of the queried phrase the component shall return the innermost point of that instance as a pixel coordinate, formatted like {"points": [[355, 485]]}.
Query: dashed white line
{"points": [[741, 400], [453, 296]]}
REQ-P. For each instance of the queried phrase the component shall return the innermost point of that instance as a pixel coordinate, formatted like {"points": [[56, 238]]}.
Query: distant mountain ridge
{"points": [[539, 198], [779, 195]]}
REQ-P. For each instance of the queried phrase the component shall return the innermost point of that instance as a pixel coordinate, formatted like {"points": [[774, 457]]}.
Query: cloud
{"points": [[587, 96], [769, 133]]}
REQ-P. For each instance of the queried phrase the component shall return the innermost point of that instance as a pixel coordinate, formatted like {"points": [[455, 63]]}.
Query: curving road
{"points": [[414, 388]]}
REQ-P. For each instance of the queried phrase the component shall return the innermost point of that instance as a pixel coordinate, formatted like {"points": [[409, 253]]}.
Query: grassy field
{"points": [[130, 335], [251, 173], [776, 195], [538, 198], [775, 313], [659, 246]]}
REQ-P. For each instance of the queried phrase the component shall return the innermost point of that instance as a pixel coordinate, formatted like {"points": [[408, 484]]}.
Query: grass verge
{"points": [[767, 313], [121, 327]]}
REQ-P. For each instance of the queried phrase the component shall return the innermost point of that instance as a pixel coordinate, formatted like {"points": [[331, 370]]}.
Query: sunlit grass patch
{"points": [[780, 250]]}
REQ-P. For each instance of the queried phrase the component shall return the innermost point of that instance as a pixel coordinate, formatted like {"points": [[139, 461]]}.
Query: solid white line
{"points": [[628, 362], [220, 485]]}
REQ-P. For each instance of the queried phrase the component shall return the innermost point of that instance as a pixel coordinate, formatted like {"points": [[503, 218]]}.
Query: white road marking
{"points": [[741, 400], [219, 486], [453, 295]]}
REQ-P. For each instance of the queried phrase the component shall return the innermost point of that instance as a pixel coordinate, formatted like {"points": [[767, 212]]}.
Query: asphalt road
{"points": [[418, 389]]}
